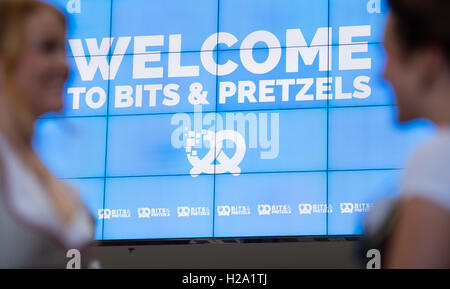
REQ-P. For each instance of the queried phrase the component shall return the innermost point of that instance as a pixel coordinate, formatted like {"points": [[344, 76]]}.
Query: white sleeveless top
{"points": [[427, 176], [25, 204], [428, 172]]}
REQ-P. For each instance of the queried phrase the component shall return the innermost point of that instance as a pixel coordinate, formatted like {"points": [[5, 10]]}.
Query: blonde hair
{"points": [[13, 15]]}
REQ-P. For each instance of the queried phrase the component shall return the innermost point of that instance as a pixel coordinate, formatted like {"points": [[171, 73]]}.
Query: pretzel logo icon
{"points": [[104, 214], [224, 163], [264, 210], [183, 211], [143, 213], [346, 208], [305, 209], [223, 210]]}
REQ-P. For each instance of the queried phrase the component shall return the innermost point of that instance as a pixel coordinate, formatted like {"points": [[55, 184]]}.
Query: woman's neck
{"points": [[438, 110], [17, 128]]}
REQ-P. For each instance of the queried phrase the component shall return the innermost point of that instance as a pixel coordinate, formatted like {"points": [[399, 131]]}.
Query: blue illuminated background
{"points": [[336, 157]]}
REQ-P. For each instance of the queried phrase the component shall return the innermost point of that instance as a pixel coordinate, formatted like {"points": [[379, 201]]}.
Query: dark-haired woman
{"points": [[417, 42]]}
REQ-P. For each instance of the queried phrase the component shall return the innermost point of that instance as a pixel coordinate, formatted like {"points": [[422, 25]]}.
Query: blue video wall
{"points": [[227, 118]]}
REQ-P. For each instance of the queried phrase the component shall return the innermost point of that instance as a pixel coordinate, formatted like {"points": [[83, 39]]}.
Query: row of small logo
{"points": [[144, 213], [303, 209], [222, 211]]}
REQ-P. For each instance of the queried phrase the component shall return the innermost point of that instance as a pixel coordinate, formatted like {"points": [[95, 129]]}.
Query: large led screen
{"points": [[227, 118]]}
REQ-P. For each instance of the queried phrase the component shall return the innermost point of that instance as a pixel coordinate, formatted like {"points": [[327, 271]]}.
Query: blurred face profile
{"points": [[404, 74], [42, 68]]}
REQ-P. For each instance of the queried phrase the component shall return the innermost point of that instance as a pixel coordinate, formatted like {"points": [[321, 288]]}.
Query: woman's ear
{"points": [[432, 64]]}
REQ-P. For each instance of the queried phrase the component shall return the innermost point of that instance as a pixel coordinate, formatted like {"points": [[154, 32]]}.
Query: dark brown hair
{"points": [[421, 23]]}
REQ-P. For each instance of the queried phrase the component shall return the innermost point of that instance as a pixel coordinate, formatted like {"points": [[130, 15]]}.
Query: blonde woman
{"points": [[40, 217]]}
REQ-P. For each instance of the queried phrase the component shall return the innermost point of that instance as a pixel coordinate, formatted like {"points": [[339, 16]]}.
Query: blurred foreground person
{"points": [[40, 217], [416, 233]]}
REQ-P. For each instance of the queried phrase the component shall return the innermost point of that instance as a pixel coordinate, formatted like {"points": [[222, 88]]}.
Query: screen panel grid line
{"points": [[107, 127]]}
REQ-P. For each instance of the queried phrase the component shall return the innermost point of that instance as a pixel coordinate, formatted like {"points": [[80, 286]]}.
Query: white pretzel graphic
{"points": [[226, 164]]}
